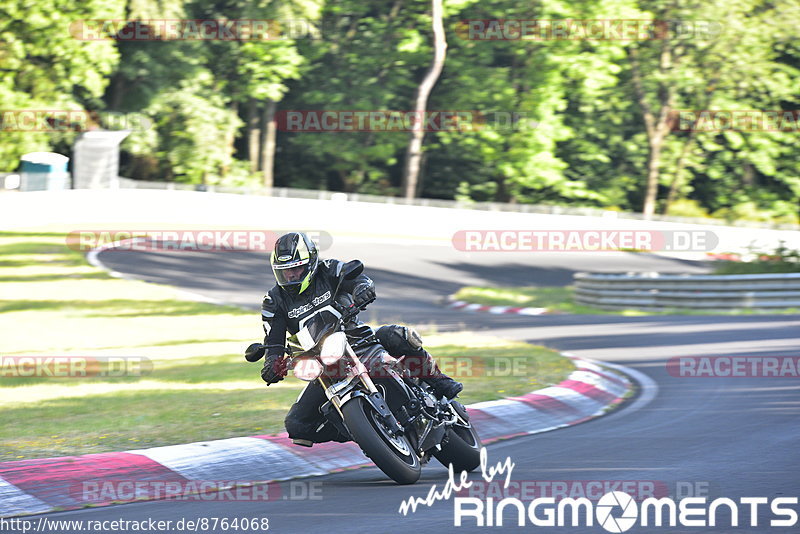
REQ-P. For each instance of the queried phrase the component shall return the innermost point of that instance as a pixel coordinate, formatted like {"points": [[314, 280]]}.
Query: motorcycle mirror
{"points": [[351, 269]]}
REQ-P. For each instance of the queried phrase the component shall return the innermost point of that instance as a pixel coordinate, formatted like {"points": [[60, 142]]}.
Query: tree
{"points": [[414, 151], [367, 61], [252, 73], [43, 67], [691, 70]]}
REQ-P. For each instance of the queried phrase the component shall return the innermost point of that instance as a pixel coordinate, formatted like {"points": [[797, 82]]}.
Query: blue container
{"points": [[43, 171]]}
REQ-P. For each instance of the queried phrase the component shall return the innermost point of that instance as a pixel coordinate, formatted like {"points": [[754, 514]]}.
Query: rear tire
{"points": [[393, 456], [463, 445]]}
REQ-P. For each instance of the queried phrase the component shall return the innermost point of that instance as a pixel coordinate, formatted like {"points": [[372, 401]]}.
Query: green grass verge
{"points": [[560, 300], [52, 302], [756, 267], [555, 299]]}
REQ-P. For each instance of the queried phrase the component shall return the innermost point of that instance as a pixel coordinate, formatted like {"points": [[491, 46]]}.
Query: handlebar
{"points": [[352, 310]]}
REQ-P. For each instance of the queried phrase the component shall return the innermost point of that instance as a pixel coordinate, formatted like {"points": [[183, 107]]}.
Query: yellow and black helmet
{"points": [[294, 261]]}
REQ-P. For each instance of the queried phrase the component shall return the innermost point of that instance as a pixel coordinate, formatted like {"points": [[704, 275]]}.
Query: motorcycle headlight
{"points": [[333, 348], [307, 369]]}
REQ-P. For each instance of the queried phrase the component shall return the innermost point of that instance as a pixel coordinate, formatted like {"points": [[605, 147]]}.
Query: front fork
{"points": [[346, 390]]}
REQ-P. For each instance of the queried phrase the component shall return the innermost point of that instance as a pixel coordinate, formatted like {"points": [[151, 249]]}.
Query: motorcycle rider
{"points": [[306, 284]]}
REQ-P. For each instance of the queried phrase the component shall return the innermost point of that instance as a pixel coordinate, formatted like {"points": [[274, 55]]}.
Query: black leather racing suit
{"points": [[282, 311]]}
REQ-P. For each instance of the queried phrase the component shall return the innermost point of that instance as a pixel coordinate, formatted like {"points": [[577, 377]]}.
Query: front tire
{"points": [[393, 455], [463, 445]]}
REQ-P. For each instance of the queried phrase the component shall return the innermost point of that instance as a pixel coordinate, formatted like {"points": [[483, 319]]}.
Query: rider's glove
{"points": [[274, 369], [363, 294], [255, 352]]}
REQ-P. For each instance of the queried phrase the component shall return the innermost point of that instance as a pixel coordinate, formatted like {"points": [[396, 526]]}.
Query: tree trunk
{"points": [[268, 127], [118, 91], [676, 180], [421, 176], [253, 135], [414, 150], [657, 123], [651, 191], [748, 174], [230, 139], [681, 164]]}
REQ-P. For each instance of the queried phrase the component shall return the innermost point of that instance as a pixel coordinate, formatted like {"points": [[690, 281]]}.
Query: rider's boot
{"points": [[446, 386], [404, 342], [441, 383]]}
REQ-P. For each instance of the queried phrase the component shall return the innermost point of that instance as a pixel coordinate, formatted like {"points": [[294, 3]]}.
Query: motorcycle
{"points": [[395, 418]]}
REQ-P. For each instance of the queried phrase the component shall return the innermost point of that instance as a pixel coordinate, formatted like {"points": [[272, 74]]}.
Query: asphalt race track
{"points": [[715, 437]]}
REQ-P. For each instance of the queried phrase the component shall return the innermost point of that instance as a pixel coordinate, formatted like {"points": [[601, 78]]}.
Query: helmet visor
{"points": [[290, 274]]}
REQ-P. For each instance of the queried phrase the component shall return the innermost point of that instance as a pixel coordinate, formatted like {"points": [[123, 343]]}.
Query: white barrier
{"points": [[171, 207], [314, 194]]}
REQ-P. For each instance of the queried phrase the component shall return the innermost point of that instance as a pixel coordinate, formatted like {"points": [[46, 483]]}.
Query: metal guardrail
{"points": [[290, 192], [654, 291]]}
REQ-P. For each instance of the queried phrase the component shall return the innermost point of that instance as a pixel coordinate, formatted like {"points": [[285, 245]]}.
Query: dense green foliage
{"points": [[780, 260], [598, 115]]}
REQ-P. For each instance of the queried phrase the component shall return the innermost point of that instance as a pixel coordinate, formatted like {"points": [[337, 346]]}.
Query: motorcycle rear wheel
{"points": [[392, 455]]}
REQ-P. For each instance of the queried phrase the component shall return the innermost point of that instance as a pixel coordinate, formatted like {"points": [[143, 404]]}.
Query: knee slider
{"points": [[399, 340]]}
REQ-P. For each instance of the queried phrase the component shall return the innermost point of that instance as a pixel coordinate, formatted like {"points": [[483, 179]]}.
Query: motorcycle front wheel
{"points": [[462, 446], [391, 454]]}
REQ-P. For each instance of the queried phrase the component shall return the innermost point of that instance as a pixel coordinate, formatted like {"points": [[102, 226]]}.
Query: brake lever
{"points": [[364, 306], [350, 312]]}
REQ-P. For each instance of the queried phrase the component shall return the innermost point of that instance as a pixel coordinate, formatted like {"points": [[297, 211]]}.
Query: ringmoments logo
{"points": [[618, 511], [615, 511], [605, 507]]}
